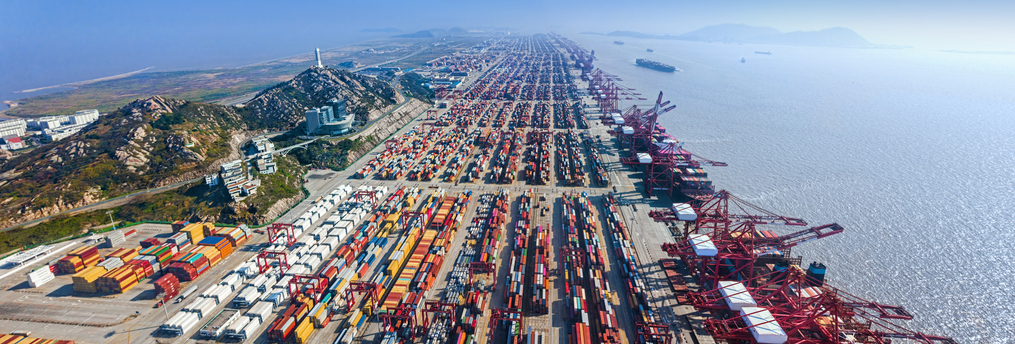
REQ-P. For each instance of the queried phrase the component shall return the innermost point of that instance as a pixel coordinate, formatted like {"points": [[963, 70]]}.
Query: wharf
{"points": [[624, 183]]}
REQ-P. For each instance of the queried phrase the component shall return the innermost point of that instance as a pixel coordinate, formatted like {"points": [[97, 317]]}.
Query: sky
{"points": [[45, 42]]}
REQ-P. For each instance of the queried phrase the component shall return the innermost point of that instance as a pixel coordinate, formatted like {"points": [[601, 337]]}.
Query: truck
{"points": [[217, 326], [185, 293]]}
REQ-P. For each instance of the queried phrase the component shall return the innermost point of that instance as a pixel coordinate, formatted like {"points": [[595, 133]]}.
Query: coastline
{"points": [[85, 82]]}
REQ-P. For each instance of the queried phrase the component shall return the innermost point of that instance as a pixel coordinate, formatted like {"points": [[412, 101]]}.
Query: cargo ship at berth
{"points": [[641, 249], [659, 66]]}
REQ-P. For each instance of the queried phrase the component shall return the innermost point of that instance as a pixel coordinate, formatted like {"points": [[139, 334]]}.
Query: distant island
{"points": [[437, 33], [384, 30], [980, 52], [739, 33]]}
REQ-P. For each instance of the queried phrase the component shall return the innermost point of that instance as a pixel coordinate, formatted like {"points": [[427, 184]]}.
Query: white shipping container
{"points": [[39, 277], [232, 280], [250, 330], [237, 326], [260, 310]]}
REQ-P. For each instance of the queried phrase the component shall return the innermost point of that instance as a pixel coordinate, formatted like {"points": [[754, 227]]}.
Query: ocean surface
{"points": [[96, 57], [912, 151]]}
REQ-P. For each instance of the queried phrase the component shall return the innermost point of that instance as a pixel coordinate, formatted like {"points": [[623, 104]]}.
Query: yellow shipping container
{"points": [[84, 281], [211, 253], [303, 330]]}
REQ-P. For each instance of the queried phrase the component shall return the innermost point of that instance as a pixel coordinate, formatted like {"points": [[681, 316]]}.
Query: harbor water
{"points": [[912, 151]]}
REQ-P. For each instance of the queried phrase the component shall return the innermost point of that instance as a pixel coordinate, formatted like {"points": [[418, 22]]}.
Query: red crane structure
{"points": [[287, 237], [722, 247], [310, 285], [436, 309], [364, 195], [497, 315], [805, 311], [724, 244], [583, 59], [402, 316], [603, 88], [264, 259], [668, 167], [369, 291], [656, 333]]}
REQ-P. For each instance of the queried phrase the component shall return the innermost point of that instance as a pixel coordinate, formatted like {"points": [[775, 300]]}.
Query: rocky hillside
{"points": [[283, 105], [149, 143]]}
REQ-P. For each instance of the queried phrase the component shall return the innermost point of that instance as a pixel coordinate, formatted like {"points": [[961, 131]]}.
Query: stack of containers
{"points": [[178, 225], [235, 235], [153, 262], [125, 254], [142, 268], [181, 240], [261, 310], [13, 338], [189, 267], [162, 253], [303, 330], [78, 259], [111, 263], [167, 286], [222, 245], [41, 276], [115, 238], [246, 296], [84, 281], [232, 281], [202, 306], [217, 292], [197, 231], [117, 280], [146, 243]]}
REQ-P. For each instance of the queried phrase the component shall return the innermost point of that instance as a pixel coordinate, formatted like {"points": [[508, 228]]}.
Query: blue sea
{"points": [[912, 151]]}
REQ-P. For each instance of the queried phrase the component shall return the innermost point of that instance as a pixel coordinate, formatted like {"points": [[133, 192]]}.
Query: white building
{"points": [[265, 164], [317, 117], [263, 145], [331, 119], [62, 132], [48, 122], [11, 142], [13, 127], [234, 176], [211, 179], [84, 116]]}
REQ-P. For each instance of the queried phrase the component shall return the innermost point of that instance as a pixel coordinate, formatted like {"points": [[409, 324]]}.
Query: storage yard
{"points": [[458, 230]]}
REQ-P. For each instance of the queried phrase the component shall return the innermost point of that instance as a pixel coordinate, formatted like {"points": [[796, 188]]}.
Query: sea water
{"points": [[912, 151]]}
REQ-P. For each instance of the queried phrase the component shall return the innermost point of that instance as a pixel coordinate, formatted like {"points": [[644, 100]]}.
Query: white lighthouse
{"points": [[318, 53]]}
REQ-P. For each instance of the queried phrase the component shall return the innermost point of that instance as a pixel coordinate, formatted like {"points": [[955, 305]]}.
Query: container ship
{"points": [[659, 66]]}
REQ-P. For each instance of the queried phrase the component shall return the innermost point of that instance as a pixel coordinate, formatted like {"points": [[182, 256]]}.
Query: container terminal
{"points": [[538, 202]]}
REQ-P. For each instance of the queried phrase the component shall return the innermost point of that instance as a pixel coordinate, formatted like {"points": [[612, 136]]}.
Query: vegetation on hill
{"points": [[412, 84], [194, 202], [284, 105], [134, 148]]}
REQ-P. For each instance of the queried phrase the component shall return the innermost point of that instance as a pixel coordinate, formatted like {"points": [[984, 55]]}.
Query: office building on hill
{"points": [[332, 119]]}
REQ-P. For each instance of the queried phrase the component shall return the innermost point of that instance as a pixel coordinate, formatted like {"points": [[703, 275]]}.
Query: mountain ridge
{"points": [[160, 141], [740, 33]]}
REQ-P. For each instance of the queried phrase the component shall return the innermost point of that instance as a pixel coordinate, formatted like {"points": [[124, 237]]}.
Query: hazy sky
{"points": [[45, 42]]}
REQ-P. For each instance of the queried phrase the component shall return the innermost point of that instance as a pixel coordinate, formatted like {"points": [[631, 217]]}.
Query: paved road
{"points": [[109, 203]]}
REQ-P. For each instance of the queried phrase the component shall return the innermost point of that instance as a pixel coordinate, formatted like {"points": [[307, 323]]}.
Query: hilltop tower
{"points": [[318, 53]]}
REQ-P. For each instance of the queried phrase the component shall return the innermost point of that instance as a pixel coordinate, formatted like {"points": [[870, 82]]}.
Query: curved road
{"points": [[105, 204]]}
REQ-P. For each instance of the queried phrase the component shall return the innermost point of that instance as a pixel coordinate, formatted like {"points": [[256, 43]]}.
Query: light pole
{"points": [[110, 213]]}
